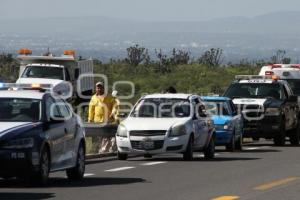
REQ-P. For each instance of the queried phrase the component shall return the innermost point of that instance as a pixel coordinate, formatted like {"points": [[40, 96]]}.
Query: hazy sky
{"points": [[144, 9]]}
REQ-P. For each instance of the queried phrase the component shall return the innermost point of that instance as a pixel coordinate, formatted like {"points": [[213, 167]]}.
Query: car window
{"points": [[43, 72], [217, 107], [162, 108], [52, 110], [254, 90], [63, 109], [295, 85], [67, 74], [20, 110], [285, 93]]}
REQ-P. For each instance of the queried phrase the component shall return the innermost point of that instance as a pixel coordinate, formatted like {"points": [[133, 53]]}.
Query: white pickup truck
{"points": [[49, 69]]}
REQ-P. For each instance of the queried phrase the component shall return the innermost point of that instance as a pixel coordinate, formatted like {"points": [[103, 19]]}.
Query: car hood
{"points": [[249, 101], [152, 123], [11, 129], [39, 80], [267, 102], [221, 119]]}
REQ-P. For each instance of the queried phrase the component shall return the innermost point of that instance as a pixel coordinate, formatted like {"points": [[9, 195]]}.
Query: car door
{"points": [[69, 121], [236, 118], [200, 121], [55, 133], [290, 107]]}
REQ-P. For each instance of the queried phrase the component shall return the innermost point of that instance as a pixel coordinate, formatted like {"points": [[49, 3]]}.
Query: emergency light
{"points": [[24, 51], [20, 86]]}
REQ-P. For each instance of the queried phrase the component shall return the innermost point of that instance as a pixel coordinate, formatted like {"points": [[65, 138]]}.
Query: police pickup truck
{"points": [[268, 106]]}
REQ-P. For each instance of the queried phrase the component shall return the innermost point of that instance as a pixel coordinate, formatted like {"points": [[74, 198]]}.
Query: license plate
{"points": [[148, 144]]}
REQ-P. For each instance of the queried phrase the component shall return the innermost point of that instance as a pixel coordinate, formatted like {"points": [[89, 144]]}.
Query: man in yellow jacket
{"points": [[103, 108]]}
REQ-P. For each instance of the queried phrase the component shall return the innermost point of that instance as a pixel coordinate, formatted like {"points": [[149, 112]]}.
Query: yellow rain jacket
{"points": [[103, 109]]}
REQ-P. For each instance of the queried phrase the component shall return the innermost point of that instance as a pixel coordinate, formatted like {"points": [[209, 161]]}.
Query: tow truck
{"points": [[268, 106], [53, 70]]}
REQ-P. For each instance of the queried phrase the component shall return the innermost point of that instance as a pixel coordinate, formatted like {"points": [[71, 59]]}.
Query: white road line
{"points": [[85, 175], [152, 163], [118, 169], [202, 155], [266, 147], [252, 148]]}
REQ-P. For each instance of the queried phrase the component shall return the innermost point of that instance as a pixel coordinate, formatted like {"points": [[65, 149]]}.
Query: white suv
{"points": [[166, 123]]}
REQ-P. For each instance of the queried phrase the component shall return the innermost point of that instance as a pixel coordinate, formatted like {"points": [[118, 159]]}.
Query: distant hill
{"points": [[273, 23], [241, 37]]}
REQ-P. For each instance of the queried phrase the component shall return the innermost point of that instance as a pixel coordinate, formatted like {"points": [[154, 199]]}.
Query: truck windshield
{"points": [[162, 108], [43, 72], [295, 85], [20, 110], [254, 90]]}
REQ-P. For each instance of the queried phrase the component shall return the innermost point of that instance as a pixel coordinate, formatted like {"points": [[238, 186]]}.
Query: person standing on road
{"points": [[102, 109]]}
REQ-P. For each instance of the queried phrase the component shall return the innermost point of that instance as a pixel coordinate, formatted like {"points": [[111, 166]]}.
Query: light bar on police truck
{"points": [[63, 90], [17, 86], [248, 77], [256, 77]]}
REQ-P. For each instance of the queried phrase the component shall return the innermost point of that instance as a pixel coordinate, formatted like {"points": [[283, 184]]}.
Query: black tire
{"points": [[42, 175], [147, 156], [231, 145], [295, 136], [279, 139], [77, 173], [122, 156], [239, 143], [209, 151], [188, 153]]}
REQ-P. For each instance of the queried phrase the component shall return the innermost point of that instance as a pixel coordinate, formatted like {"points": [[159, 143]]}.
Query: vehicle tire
{"points": [[122, 156], [147, 156], [188, 154], [42, 175], [77, 173], [279, 139], [209, 151], [295, 136], [256, 139], [239, 143], [231, 145]]}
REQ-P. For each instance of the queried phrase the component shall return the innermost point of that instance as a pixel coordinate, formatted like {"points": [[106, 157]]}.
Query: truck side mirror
{"points": [[76, 73]]}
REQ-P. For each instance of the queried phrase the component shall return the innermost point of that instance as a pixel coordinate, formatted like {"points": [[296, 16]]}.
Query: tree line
{"points": [[154, 74]]}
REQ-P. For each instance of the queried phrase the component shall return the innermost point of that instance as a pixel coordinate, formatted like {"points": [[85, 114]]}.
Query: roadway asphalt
{"points": [[260, 172]]}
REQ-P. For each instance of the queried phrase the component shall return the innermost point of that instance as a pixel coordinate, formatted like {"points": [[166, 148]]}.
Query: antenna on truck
{"points": [[48, 53]]}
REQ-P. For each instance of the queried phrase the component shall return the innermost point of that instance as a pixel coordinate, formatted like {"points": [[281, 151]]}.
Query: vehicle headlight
{"points": [[177, 131], [19, 143], [223, 126], [272, 111], [122, 131]]}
